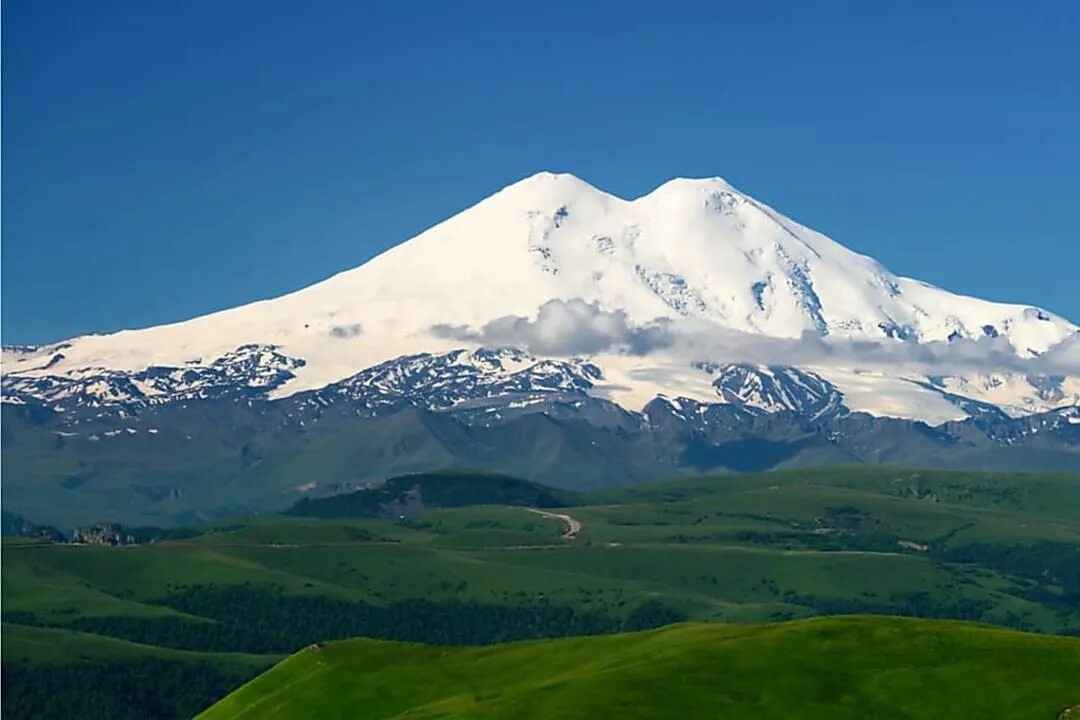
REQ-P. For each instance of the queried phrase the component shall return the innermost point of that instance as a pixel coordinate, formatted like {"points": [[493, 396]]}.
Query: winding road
{"points": [[573, 526]]}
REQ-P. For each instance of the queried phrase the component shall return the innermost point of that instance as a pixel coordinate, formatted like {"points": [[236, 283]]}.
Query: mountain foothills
{"points": [[887, 667], [739, 570], [556, 332]]}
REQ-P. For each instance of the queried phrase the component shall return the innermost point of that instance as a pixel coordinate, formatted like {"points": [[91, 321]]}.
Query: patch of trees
{"points": [[652, 614], [245, 618], [1043, 562], [145, 689], [916, 604], [408, 494]]}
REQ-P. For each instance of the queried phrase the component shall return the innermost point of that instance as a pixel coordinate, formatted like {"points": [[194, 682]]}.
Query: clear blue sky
{"points": [[162, 159]]}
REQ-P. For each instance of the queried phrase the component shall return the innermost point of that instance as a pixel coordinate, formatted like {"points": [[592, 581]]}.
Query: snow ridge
{"points": [[249, 370], [449, 380], [765, 389]]}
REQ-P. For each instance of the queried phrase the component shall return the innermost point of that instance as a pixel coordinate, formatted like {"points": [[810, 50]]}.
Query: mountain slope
{"points": [[554, 332], [557, 267], [821, 668]]}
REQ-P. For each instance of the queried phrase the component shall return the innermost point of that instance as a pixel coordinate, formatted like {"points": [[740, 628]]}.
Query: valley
{"points": [[461, 558]]}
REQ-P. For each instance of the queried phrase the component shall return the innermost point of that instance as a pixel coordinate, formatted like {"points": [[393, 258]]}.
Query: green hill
{"points": [[51, 673], [835, 668], [412, 494], [989, 547]]}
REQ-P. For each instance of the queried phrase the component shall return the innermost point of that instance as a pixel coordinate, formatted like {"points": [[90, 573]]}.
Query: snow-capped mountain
{"points": [[764, 389], [552, 331], [694, 290], [250, 370], [457, 378]]}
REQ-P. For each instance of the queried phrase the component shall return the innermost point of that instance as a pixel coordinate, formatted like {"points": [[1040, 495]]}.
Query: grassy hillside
{"points": [[832, 668], [37, 645], [61, 673], [180, 463], [222, 458], [411, 494], [995, 548]]}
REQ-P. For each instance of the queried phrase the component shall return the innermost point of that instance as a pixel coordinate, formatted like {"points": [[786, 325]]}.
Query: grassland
{"points": [[834, 668], [50, 672], [36, 645], [989, 547]]}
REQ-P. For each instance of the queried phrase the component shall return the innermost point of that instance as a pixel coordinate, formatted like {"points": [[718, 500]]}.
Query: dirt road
{"points": [[573, 526]]}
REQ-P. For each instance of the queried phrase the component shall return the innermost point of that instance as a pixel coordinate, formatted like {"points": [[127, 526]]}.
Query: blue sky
{"points": [[166, 159]]}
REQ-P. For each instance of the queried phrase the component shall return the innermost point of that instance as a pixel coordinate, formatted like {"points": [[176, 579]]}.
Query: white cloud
{"points": [[565, 327], [577, 327]]}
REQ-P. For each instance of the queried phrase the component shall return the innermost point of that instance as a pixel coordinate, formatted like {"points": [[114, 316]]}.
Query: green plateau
{"points": [[465, 563]]}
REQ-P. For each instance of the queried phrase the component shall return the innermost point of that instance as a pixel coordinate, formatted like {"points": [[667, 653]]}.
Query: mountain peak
{"points": [[695, 185], [546, 191], [548, 183], [545, 180], [549, 176]]}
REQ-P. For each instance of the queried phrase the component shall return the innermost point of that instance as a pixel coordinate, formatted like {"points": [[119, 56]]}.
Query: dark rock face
{"points": [[459, 377], [102, 534]]}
